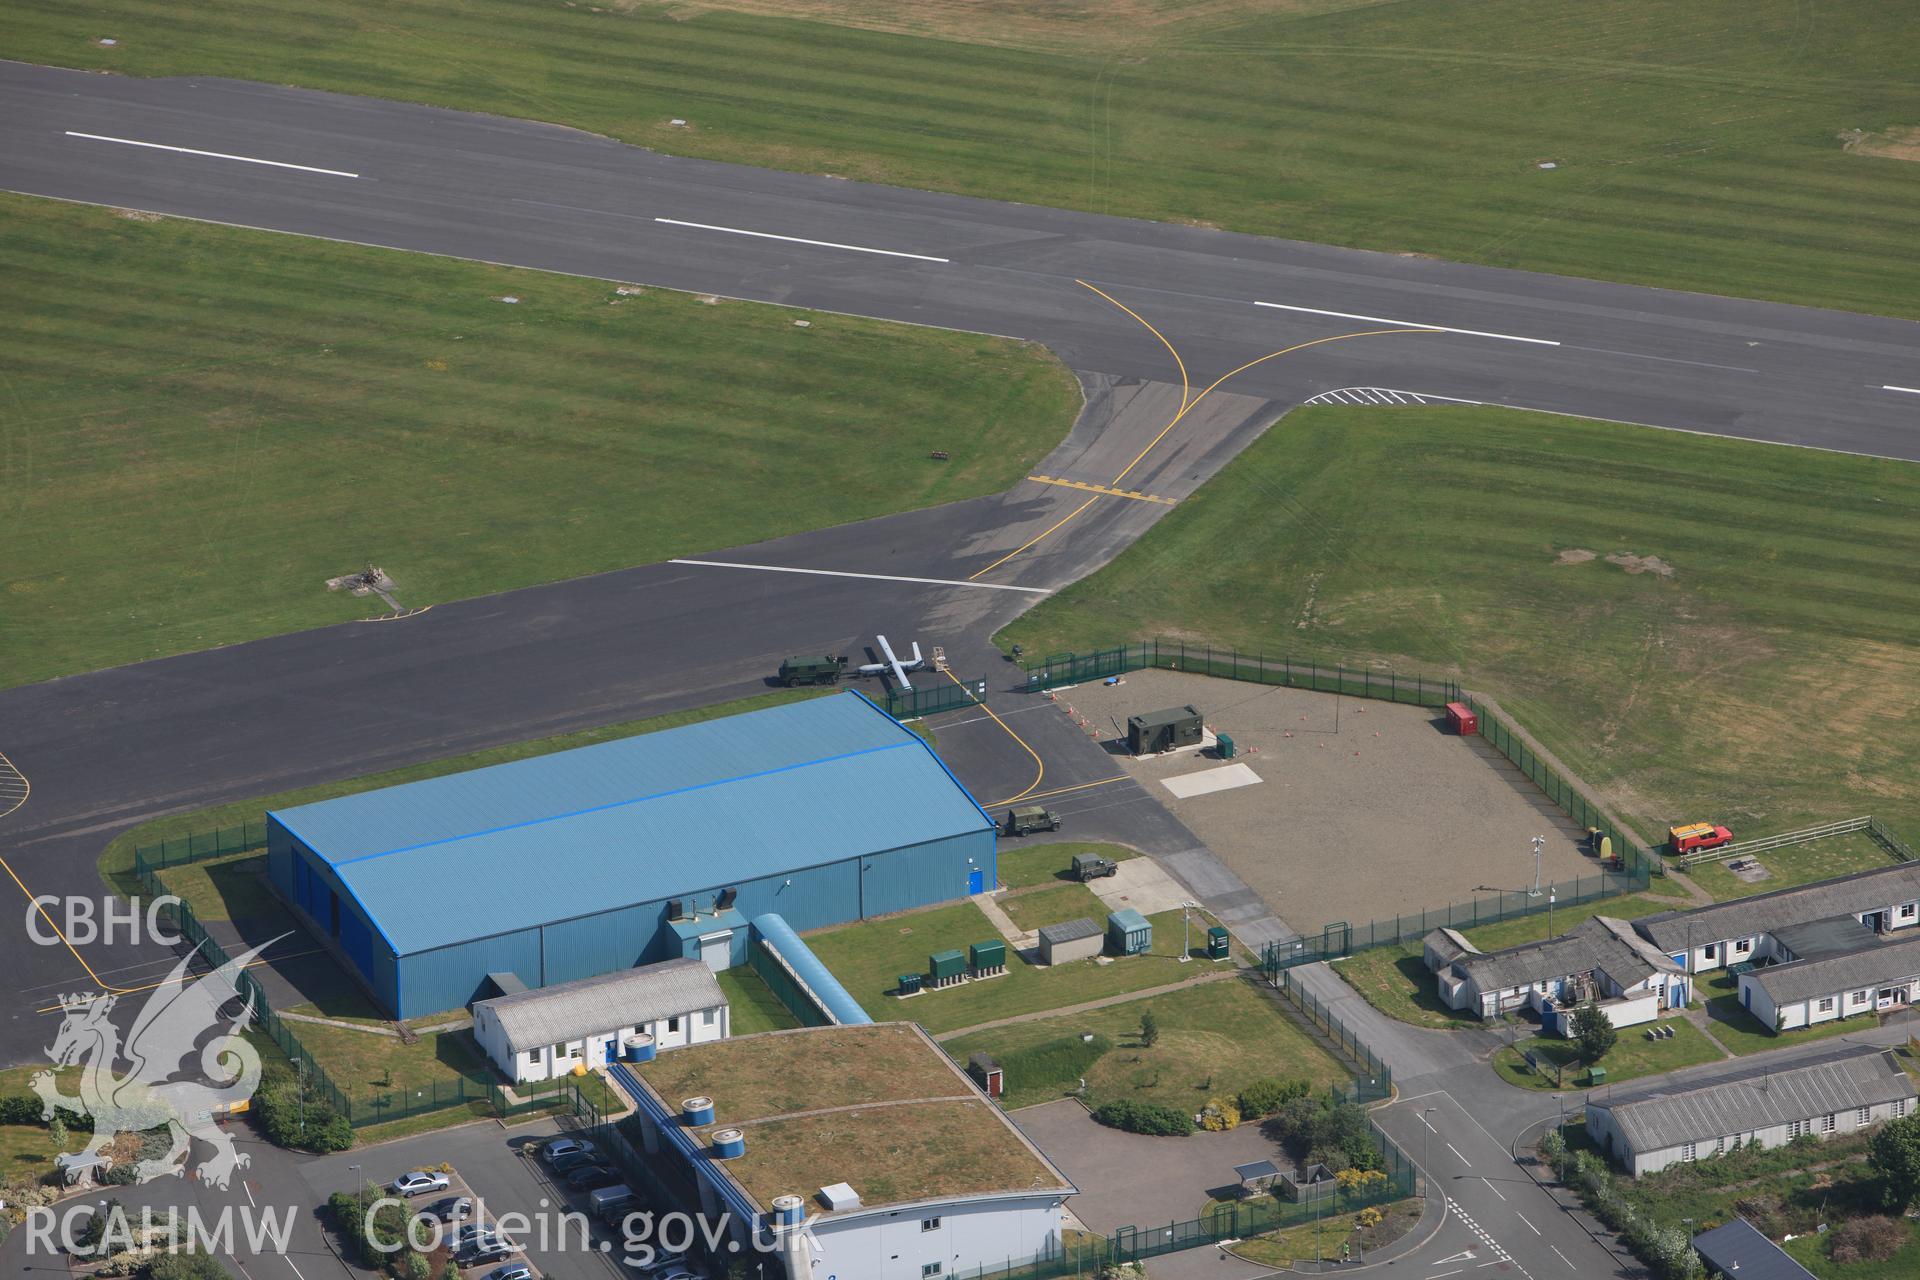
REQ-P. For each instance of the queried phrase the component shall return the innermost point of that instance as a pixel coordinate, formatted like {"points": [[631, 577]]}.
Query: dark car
{"points": [[593, 1177], [488, 1248], [574, 1160], [449, 1209]]}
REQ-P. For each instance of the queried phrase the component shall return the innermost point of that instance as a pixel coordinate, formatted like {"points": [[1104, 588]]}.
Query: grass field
{"points": [[1051, 863], [230, 888], [203, 425], [1037, 907], [116, 860], [1214, 1039], [869, 956], [1632, 1056], [751, 1004], [366, 1065], [1697, 145], [1322, 1239], [1773, 681], [1794, 865]]}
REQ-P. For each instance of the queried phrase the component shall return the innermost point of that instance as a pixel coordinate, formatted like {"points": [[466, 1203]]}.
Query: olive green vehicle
{"points": [[799, 671], [1030, 818]]}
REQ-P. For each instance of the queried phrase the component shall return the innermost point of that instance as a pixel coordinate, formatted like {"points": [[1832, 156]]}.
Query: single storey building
{"points": [[1885, 900], [1738, 1251], [1848, 1088], [1071, 940], [537, 1034], [1601, 960], [1830, 969]]}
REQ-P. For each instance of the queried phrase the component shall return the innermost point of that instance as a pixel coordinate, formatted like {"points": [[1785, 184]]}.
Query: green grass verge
{"points": [[204, 424], [1742, 1033], [229, 888], [1214, 1039], [1696, 145], [116, 860], [1036, 907], [368, 1066], [751, 1004], [1396, 981], [869, 956], [1051, 863], [1794, 865], [1632, 1056], [1323, 1239], [1813, 1253], [1773, 681]]}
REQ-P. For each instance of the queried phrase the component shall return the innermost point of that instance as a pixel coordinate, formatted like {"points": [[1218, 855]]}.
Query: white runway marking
{"points": [[824, 244], [1412, 324], [1912, 391], [217, 155], [1381, 395], [873, 577]]}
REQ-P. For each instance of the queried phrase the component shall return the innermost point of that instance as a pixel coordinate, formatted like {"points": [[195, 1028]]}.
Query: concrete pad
{"points": [[1140, 883], [1207, 781]]}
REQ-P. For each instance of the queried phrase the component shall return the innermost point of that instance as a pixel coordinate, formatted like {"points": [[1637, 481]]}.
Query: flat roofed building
{"points": [[538, 1034], [1849, 1088], [910, 1169]]}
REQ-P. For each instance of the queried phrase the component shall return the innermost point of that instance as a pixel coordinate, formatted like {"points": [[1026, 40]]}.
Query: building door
{"points": [[976, 881], [333, 913], [1676, 994], [613, 1048], [1876, 921], [716, 950]]}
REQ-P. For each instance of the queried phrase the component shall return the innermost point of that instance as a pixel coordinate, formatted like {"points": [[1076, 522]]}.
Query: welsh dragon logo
{"points": [[168, 1028]]}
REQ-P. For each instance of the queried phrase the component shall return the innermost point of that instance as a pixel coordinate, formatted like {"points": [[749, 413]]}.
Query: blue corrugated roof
{"points": [[563, 835]]}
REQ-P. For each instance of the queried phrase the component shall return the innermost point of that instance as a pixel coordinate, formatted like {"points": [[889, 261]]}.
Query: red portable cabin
{"points": [[1460, 718]]}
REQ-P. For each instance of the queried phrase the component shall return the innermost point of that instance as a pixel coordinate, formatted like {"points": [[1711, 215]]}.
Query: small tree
{"points": [[1894, 1153], [1594, 1032], [1149, 1029]]}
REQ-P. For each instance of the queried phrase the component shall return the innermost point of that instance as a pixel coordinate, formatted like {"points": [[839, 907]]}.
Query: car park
{"points": [[419, 1182], [560, 1147]]}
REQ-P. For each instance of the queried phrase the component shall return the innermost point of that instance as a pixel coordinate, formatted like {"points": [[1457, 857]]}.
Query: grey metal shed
{"points": [[1070, 940], [1130, 932]]}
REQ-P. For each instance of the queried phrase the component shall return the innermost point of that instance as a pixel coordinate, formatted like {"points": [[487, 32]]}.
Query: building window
{"points": [[1906, 911], [1899, 1106], [559, 1051], [1859, 997], [1863, 1117], [673, 1025], [1826, 1123], [1743, 946], [928, 1269], [1688, 1152], [1796, 1129], [706, 1017], [929, 1224], [1709, 951], [1719, 1146], [1826, 1004], [533, 1057]]}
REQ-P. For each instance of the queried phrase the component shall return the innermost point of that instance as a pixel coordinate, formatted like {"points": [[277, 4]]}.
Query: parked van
{"points": [[609, 1203]]}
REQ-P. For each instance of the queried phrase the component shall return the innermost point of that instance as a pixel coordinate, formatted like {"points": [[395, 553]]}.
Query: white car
{"points": [[419, 1182], [510, 1271]]}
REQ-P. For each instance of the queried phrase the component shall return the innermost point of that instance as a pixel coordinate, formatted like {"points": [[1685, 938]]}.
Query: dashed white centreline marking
{"points": [[296, 1270], [1530, 1226], [1558, 1254], [824, 244], [1493, 1188], [1912, 391], [1456, 1151], [872, 577], [216, 155], [1414, 324]]}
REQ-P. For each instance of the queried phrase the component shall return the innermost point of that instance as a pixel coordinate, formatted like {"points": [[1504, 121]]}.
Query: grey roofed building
{"points": [[1599, 942], [1769, 912], [1443, 946], [1739, 1251], [1754, 1098], [625, 997], [1071, 930], [1873, 964]]}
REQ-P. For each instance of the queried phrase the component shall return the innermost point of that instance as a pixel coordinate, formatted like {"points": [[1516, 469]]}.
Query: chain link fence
{"points": [[1383, 683], [936, 695]]}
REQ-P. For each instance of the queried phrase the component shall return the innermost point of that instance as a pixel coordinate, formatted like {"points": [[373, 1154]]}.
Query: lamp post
{"points": [[1539, 843], [1551, 893], [1186, 931]]}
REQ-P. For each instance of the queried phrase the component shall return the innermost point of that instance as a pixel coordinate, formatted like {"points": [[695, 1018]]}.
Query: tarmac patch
{"points": [[1206, 781]]}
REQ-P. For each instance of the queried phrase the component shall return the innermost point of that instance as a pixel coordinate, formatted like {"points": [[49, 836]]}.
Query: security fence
{"points": [[1375, 1078], [201, 845], [935, 695], [1382, 682], [1341, 938]]}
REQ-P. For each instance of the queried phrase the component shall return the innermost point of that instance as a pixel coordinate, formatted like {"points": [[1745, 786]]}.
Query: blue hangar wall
{"points": [[562, 866]]}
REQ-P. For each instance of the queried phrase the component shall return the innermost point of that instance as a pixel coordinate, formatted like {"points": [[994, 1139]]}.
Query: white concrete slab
{"points": [[1206, 781], [1140, 883]]}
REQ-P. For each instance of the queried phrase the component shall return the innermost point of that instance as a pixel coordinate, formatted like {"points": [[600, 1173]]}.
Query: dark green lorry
{"points": [[823, 670]]}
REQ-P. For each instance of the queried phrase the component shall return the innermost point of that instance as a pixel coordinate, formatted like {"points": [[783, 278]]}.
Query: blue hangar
{"points": [[581, 862]]}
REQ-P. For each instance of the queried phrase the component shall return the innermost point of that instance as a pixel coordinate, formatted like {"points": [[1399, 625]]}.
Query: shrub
{"points": [[20, 1108], [314, 1126], [1894, 1153], [1593, 1031], [186, 1266], [1053, 1064], [1871, 1239], [1265, 1097], [1149, 1029], [1144, 1117], [1219, 1115]]}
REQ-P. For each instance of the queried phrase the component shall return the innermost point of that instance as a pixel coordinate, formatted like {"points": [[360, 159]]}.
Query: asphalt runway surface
{"points": [[1151, 317]]}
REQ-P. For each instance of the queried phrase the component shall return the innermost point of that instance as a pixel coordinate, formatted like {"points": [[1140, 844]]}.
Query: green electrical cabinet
{"points": [[1217, 942]]}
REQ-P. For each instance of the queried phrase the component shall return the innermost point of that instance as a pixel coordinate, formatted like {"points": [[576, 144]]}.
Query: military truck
{"points": [[1030, 818], [1091, 866], [798, 671]]}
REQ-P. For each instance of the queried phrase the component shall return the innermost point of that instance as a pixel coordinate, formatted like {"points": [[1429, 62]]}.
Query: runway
{"points": [[1150, 316]]}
